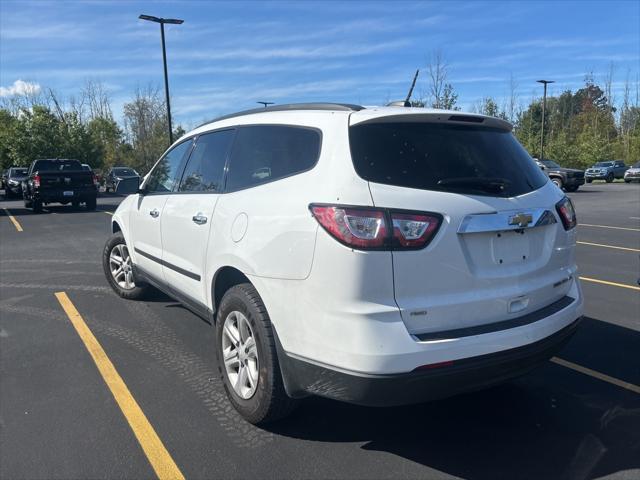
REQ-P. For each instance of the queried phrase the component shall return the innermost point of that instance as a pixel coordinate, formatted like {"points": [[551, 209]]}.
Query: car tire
{"points": [[588, 180], [572, 189], [36, 205], [27, 203], [558, 182], [7, 194], [609, 178], [626, 180], [92, 204], [262, 399], [117, 247]]}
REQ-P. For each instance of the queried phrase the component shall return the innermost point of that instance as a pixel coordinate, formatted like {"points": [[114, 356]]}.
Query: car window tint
{"points": [[265, 153], [163, 176], [437, 156], [205, 170], [57, 165]]}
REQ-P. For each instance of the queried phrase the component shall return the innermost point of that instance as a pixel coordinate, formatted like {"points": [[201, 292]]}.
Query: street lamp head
{"points": [[151, 18], [545, 81]]}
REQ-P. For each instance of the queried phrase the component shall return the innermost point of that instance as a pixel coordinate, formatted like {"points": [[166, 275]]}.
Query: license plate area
{"points": [[510, 247], [68, 193]]}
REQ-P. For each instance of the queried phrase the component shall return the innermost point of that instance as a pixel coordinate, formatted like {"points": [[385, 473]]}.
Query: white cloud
{"points": [[20, 87]]}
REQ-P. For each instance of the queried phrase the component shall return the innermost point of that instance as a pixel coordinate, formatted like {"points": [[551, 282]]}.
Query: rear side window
{"points": [[162, 178], [264, 153], [205, 170], [437, 156]]}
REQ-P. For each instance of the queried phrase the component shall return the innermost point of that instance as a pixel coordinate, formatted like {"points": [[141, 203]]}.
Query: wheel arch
{"points": [[225, 278]]}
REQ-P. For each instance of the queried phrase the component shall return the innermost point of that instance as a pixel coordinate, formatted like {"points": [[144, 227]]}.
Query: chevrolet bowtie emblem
{"points": [[521, 219]]}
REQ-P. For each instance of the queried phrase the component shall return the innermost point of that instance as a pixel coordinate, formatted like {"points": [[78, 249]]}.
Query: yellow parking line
{"points": [[108, 213], [156, 453], [610, 246], [13, 220], [598, 375], [609, 226], [613, 284]]}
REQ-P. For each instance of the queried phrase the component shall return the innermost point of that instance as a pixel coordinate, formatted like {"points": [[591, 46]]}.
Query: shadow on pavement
{"points": [[552, 423]]}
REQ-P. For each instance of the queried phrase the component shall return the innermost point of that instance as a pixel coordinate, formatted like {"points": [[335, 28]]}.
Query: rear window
{"points": [[18, 171], [265, 153], [56, 165], [124, 171], [452, 158]]}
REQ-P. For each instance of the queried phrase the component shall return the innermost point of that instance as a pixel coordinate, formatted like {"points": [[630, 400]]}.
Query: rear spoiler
{"points": [[416, 116]]}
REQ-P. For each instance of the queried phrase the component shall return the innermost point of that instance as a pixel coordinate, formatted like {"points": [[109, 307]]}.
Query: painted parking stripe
{"points": [[595, 374], [108, 213], [13, 220], [613, 284], [610, 246], [609, 226], [156, 453]]}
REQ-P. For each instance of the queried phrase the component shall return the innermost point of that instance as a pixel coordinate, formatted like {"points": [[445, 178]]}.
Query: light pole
{"points": [[544, 106], [266, 104], [162, 21]]}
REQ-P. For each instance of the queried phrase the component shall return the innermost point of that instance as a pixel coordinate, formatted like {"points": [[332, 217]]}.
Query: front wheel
{"points": [[118, 268], [247, 359], [558, 182], [588, 180], [609, 178]]}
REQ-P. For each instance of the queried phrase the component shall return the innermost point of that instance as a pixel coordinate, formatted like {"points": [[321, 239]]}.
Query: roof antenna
{"points": [[407, 102], [266, 104]]}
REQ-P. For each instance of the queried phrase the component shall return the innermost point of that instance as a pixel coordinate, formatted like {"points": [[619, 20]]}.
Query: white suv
{"points": [[379, 256]]}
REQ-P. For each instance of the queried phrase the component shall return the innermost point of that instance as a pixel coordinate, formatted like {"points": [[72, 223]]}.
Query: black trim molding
{"points": [[181, 271], [497, 326]]}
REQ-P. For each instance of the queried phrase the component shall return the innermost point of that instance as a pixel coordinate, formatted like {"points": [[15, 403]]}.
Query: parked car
{"points": [[607, 171], [3, 177], [13, 182], [378, 256], [59, 180], [633, 173], [119, 174], [568, 179]]}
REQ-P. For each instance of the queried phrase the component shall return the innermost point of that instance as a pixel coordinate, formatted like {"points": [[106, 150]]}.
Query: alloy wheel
{"points": [[240, 355], [121, 267]]}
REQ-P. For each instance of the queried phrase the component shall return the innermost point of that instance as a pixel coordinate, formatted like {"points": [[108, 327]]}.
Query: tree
{"points": [[441, 92]]}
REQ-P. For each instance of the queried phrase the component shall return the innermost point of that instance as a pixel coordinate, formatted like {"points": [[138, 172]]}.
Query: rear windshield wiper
{"points": [[489, 184]]}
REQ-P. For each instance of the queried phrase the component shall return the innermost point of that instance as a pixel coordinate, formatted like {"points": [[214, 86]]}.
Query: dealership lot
{"points": [[576, 417]]}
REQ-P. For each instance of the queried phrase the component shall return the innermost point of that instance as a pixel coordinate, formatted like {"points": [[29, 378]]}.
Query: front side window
{"points": [[205, 170], [264, 153], [438, 156], [163, 176]]}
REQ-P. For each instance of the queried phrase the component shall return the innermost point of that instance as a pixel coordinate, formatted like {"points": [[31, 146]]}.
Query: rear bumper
{"points": [[303, 377], [57, 195]]}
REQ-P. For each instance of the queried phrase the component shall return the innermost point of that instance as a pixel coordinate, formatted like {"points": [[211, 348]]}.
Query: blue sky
{"points": [[229, 55]]}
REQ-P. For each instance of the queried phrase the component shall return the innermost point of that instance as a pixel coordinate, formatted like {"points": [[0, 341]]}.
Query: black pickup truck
{"points": [[59, 181]]}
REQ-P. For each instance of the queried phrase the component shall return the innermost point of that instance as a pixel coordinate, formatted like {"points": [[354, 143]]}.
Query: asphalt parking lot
{"points": [[576, 417]]}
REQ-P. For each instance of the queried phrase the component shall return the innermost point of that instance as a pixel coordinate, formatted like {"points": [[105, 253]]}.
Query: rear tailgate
{"points": [[67, 180], [501, 251]]}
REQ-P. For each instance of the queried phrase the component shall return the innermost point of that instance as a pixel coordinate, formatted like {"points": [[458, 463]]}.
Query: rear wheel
{"points": [[572, 189], [247, 359], [118, 268], [609, 178], [37, 206], [91, 204], [558, 182]]}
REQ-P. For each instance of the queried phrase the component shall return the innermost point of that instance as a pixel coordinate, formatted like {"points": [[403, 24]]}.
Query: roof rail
{"points": [[341, 107]]}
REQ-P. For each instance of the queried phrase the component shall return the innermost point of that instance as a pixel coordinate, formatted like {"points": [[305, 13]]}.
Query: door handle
{"points": [[199, 218], [154, 213]]}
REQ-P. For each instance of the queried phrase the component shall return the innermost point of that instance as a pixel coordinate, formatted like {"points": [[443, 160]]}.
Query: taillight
{"points": [[567, 213], [36, 181], [95, 180], [355, 227], [413, 230], [367, 228]]}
